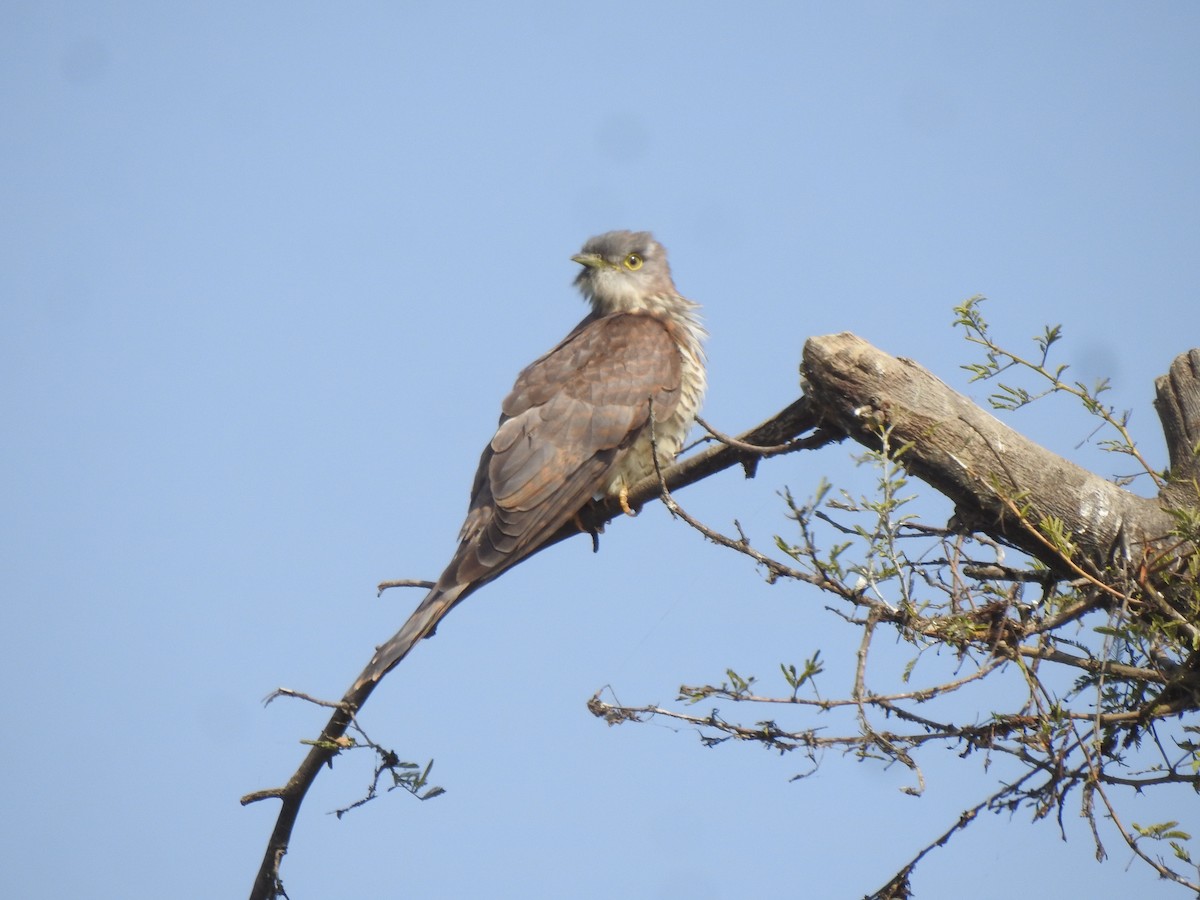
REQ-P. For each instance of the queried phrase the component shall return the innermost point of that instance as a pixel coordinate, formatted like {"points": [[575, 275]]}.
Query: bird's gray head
{"points": [[624, 271]]}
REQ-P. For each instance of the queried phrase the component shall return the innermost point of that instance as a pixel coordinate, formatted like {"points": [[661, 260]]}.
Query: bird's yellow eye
{"points": [[633, 262]]}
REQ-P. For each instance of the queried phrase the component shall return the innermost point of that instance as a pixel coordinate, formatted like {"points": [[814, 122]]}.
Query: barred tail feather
{"points": [[420, 624]]}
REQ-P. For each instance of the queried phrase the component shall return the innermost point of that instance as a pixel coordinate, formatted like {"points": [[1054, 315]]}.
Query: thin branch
{"points": [[918, 696], [300, 695], [898, 885], [404, 582], [786, 447]]}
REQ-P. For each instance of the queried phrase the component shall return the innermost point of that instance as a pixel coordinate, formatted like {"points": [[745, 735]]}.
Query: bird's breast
{"points": [[668, 435]]}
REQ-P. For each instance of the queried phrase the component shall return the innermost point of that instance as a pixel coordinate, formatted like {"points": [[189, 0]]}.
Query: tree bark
{"points": [[1178, 403], [989, 470]]}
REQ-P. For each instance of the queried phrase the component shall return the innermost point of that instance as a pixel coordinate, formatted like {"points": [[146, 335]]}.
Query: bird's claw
{"points": [[623, 499]]}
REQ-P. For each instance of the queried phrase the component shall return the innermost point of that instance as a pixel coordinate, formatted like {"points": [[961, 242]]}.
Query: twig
{"points": [[775, 450], [899, 881], [403, 582], [300, 695]]}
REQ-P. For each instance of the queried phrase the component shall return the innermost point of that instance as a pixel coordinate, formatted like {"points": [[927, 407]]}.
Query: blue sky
{"points": [[266, 271]]}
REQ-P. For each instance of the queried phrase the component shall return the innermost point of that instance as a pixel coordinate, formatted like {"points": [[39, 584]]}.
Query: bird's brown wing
{"points": [[567, 420], [569, 417]]}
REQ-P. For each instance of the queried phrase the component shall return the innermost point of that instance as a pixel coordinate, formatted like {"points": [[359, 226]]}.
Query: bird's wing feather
{"points": [[565, 422], [618, 359]]}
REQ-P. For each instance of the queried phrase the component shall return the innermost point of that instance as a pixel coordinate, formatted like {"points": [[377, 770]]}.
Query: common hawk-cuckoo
{"points": [[576, 425]]}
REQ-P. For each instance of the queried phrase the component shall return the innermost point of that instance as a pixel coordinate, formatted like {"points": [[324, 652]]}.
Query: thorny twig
{"points": [[1056, 760]]}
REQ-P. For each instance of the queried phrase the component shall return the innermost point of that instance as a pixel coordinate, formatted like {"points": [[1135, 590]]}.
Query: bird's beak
{"points": [[591, 260]]}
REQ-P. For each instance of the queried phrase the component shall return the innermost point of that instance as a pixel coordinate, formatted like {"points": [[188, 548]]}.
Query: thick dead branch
{"points": [[1178, 404], [986, 468]]}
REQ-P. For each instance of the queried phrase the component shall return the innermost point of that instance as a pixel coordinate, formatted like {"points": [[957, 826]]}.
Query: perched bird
{"points": [[576, 426]]}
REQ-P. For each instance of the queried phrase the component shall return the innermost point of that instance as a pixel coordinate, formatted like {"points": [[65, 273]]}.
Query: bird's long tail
{"points": [[420, 624]]}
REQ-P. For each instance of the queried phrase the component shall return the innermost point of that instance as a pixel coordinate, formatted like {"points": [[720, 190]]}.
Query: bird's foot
{"points": [[623, 499]]}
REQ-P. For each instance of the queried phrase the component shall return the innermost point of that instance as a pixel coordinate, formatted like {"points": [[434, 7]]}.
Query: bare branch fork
{"points": [[781, 429]]}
